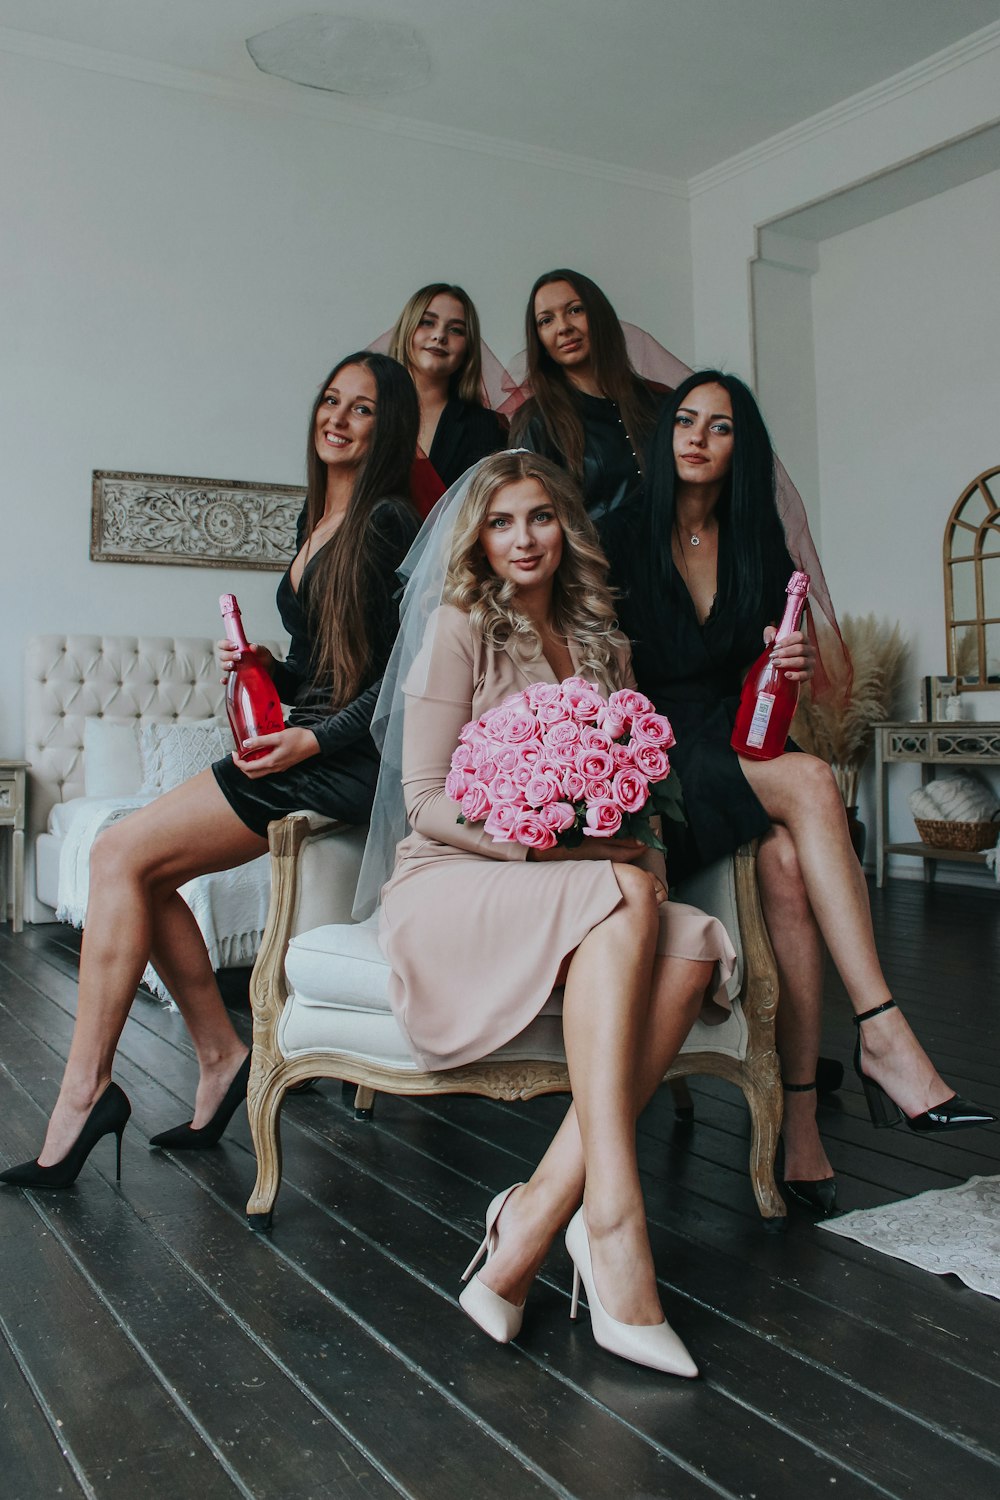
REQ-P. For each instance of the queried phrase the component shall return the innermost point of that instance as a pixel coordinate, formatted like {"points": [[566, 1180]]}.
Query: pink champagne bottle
{"points": [[768, 700], [251, 697]]}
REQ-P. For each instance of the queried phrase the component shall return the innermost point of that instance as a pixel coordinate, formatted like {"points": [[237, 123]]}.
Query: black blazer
{"points": [[466, 432]]}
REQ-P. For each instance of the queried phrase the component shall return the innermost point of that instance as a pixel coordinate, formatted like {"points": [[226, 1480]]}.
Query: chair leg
{"points": [[364, 1103], [263, 1113], [764, 1103]]}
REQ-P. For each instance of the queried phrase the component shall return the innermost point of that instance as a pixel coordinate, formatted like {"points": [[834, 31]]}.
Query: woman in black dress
{"points": [[437, 338], [704, 587], [589, 411], [337, 602]]}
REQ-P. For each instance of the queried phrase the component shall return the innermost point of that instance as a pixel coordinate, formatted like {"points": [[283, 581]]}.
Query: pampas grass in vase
{"points": [[842, 733]]}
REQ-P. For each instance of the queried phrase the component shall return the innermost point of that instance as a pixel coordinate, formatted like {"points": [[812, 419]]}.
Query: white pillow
{"points": [[111, 763], [172, 753]]}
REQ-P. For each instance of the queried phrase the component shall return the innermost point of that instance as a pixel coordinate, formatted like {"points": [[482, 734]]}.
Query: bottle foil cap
{"points": [[798, 584]]}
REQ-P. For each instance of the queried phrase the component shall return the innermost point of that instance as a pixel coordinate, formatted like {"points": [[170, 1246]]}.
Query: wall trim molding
{"points": [[979, 44], [287, 98]]}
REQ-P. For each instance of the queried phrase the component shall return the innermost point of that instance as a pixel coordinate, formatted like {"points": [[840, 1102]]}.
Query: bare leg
{"points": [[532, 1217], [136, 866], [798, 954], [799, 793]]}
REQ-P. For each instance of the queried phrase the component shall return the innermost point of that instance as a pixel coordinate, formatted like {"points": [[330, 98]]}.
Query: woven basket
{"points": [[968, 836]]}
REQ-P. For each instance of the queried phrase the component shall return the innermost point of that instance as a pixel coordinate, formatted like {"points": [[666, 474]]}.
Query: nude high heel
{"points": [[495, 1315], [652, 1344]]}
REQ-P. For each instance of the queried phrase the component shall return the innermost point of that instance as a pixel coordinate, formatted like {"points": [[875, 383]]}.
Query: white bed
{"points": [[108, 721]]}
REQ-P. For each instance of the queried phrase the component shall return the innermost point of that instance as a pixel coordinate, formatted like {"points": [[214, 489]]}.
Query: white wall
{"points": [[180, 270]]}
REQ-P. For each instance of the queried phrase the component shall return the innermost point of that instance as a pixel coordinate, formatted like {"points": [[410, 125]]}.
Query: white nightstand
{"points": [[12, 791]]}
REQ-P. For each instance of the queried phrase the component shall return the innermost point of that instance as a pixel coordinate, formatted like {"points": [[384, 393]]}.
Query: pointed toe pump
{"points": [[953, 1113], [185, 1138], [820, 1194], [109, 1116], [495, 1315], [655, 1345]]}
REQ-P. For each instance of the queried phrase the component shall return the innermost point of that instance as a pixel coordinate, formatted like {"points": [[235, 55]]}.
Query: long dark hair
{"points": [[554, 394], [339, 585], [753, 556]]}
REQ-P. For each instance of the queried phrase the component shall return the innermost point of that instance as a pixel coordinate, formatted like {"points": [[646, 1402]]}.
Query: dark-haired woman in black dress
{"points": [[338, 603]]}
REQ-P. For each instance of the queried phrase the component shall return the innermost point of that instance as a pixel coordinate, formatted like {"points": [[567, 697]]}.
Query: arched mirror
{"points": [[972, 584]]}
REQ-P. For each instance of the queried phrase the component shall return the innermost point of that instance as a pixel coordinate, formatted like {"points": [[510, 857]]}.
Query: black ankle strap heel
{"points": [[953, 1113]]}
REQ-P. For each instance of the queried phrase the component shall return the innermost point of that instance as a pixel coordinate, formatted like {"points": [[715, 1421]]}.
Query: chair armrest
{"points": [[314, 870]]}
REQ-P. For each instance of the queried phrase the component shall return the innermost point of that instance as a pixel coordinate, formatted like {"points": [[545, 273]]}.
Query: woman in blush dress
{"points": [[437, 338], [701, 593], [478, 932], [337, 602]]}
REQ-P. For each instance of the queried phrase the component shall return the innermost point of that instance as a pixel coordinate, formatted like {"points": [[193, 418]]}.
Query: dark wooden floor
{"points": [[151, 1346]]}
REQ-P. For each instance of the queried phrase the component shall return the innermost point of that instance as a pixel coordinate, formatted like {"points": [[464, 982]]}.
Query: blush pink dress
{"points": [[475, 932]]}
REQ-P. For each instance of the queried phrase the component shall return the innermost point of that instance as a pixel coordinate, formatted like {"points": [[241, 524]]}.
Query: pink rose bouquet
{"points": [[560, 762]]}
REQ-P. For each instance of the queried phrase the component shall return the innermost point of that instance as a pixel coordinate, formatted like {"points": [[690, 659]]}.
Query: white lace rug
{"points": [[952, 1231]]}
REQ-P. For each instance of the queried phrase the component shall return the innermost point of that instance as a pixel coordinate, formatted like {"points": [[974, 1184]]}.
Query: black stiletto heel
{"points": [[953, 1113], [183, 1138], [109, 1116], [820, 1195]]}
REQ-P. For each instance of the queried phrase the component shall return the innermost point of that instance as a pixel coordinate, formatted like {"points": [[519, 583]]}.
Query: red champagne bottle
{"points": [[251, 697], [768, 700]]}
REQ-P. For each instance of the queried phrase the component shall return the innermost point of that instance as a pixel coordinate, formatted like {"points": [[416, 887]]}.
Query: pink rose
{"points": [[517, 702], [584, 702], [653, 762], [573, 785], [559, 816], [613, 724], [571, 684], [562, 740], [472, 733], [500, 822], [630, 791], [457, 783], [533, 831], [594, 765], [507, 759], [603, 820], [592, 738], [506, 787], [542, 788], [597, 791], [540, 693], [553, 713], [522, 726], [531, 753], [496, 723], [622, 757], [627, 702], [462, 758], [653, 729], [476, 803]]}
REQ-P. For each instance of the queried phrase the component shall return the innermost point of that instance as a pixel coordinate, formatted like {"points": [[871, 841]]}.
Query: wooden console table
{"points": [[12, 817], [942, 743]]}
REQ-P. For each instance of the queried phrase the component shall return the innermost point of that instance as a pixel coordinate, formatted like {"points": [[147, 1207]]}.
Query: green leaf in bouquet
{"points": [[667, 797]]}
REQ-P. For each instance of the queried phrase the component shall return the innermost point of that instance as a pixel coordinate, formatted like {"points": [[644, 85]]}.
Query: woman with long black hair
{"points": [[702, 589], [337, 602]]}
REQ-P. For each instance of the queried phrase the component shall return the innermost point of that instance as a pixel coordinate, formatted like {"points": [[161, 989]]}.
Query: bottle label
{"points": [[759, 722]]}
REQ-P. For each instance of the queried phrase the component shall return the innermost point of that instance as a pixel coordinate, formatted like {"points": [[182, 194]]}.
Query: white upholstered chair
{"points": [[320, 1007]]}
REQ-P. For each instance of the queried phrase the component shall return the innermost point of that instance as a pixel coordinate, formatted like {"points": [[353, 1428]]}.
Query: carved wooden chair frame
{"points": [[272, 1074]]}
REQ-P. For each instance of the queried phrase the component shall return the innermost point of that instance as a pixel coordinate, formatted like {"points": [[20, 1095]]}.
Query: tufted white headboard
{"points": [[69, 678]]}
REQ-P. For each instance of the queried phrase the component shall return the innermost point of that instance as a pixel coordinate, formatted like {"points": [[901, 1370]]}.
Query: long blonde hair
{"points": [[467, 382], [582, 603]]}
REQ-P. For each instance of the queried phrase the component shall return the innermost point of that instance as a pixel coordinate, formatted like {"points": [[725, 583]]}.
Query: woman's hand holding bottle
{"points": [[795, 655], [276, 752], [227, 655]]}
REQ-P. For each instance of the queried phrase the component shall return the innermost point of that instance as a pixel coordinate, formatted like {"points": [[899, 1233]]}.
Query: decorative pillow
{"points": [[172, 753], [111, 762]]}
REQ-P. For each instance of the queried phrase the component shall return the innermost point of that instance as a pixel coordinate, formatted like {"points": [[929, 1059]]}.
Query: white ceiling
{"points": [[665, 86]]}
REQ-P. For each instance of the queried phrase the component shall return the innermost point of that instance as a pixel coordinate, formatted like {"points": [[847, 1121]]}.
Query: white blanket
{"points": [[229, 906]]}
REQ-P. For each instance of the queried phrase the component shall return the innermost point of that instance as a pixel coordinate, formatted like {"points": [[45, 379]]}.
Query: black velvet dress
{"points": [[340, 781], [693, 672], [612, 473]]}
